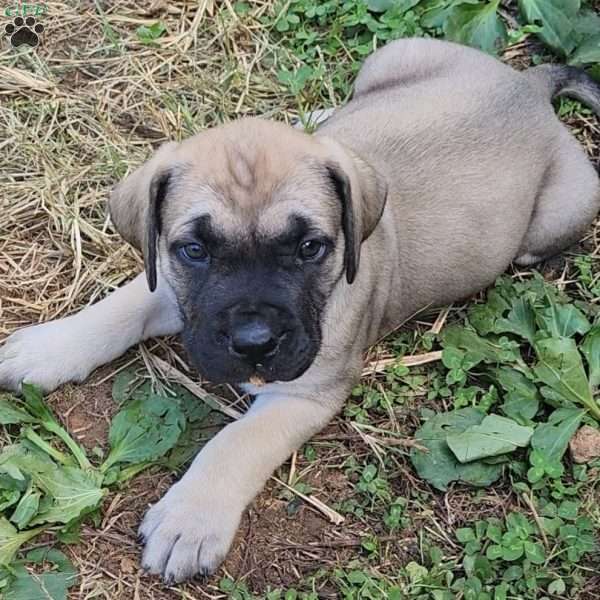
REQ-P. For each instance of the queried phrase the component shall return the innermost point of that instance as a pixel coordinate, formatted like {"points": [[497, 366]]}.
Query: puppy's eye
{"points": [[311, 250], [194, 252]]}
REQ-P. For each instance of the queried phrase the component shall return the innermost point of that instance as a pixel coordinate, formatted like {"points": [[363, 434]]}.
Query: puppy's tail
{"points": [[562, 80]]}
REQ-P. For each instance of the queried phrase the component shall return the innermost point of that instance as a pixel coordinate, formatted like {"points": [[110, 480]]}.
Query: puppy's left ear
{"points": [[362, 192], [135, 203]]}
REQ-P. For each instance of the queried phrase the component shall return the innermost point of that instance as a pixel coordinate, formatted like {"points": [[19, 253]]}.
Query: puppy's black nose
{"points": [[253, 341]]}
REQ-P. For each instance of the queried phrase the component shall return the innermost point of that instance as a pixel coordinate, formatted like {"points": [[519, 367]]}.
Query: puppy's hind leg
{"points": [[566, 205], [70, 349], [406, 62]]}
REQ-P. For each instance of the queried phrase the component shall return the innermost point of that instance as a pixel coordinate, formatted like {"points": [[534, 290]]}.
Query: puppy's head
{"points": [[252, 224]]}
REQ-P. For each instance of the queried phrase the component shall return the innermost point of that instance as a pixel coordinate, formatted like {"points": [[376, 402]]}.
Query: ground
{"points": [[76, 114]]}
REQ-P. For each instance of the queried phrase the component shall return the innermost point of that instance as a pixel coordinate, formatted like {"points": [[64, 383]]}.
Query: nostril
{"points": [[254, 340], [222, 337]]}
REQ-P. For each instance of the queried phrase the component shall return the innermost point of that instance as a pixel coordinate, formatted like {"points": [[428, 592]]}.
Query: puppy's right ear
{"points": [[134, 205]]}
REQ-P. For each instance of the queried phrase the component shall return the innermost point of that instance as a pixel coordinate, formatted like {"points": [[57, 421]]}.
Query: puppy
{"points": [[281, 256]]}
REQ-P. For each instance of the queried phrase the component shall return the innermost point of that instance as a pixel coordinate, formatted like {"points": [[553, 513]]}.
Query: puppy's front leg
{"points": [[190, 530], [70, 349]]}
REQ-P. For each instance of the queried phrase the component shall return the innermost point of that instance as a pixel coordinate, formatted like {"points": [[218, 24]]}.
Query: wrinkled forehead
{"points": [[241, 200]]}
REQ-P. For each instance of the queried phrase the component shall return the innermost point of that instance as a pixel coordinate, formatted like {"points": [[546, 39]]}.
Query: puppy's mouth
{"points": [[217, 366], [261, 374]]}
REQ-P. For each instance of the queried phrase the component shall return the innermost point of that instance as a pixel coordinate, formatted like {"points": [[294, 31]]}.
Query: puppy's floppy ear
{"points": [[362, 192], [134, 205], [158, 190]]}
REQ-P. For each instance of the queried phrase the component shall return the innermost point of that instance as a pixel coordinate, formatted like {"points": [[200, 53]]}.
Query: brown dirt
{"points": [[275, 545], [86, 410]]}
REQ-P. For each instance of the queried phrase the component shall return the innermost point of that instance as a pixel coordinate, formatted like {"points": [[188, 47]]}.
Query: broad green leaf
{"points": [[512, 551], [594, 72], [68, 491], [8, 498], [562, 320], [494, 436], [454, 358], [51, 555], [122, 386], [195, 410], [557, 587], [588, 52], [26, 509], [10, 413], [11, 489], [535, 474], [569, 510], [484, 316], [551, 525], [439, 466], [551, 439], [71, 491], [513, 573], [416, 572], [519, 525], [202, 424], [36, 406], [144, 430], [501, 591], [520, 320], [436, 14], [515, 381], [554, 398], [22, 457], [11, 540], [535, 289], [465, 534], [586, 24], [494, 551], [477, 349], [494, 530], [535, 552], [34, 400], [127, 385], [560, 367], [591, 351], [399, 6], [482, 568], [515, 36], [381, 5], [53, 584], [521, 401], [556, 18], [477, 25]]}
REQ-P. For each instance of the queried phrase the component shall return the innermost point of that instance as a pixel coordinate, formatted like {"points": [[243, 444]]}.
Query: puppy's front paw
{"points": [[45, 355], [187, 533]]}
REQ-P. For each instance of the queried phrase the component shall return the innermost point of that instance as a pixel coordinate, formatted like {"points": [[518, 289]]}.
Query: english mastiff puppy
{"points": [[280, 256]]}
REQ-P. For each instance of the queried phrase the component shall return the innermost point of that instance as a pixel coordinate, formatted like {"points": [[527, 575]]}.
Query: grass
{"points": [[106, 87]]}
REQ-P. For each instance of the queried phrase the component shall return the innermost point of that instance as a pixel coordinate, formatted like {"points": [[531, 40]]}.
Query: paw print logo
{"points": [[24, 31]]}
